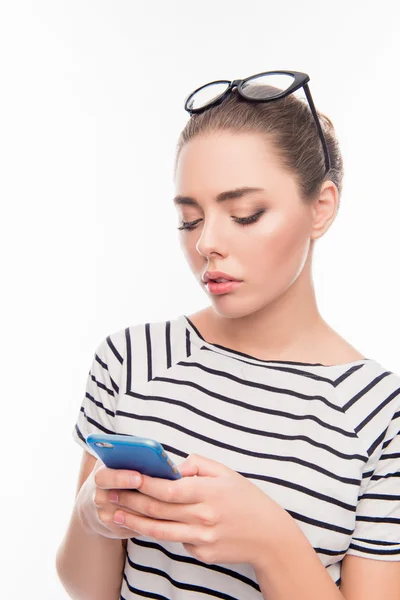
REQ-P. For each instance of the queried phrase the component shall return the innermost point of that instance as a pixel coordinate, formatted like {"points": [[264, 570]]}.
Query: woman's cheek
{"points": [[285, 247]]}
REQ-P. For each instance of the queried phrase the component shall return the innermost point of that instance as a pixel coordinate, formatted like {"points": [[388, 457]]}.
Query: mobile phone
{"points": [[144, 455]]}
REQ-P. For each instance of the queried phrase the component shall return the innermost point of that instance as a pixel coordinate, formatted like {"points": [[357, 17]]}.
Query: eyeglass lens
{"points": [[265, 86]]}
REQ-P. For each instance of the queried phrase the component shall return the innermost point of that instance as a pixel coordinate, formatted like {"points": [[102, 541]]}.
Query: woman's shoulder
{"points": [[369, 393], [380, 371], [141, 327], [144, 337]]}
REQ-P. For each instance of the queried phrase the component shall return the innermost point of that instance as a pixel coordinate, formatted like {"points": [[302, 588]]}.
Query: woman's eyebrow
{"points": [[222, 197]]}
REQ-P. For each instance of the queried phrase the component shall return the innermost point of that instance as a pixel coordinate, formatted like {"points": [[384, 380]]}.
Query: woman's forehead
{"points": [[210, 166], [230, 160]]}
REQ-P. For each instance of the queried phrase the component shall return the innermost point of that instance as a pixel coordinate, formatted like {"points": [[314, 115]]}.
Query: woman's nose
{"points": [[212, 239]]}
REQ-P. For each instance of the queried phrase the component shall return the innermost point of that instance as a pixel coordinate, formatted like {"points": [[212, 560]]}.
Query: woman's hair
{"points": [[288, 124]]}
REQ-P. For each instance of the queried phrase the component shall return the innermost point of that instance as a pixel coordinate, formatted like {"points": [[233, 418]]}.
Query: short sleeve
{"points": [[98, 407], [377, 531]]}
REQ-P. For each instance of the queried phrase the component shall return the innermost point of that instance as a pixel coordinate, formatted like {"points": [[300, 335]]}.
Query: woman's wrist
{"points": [[274, 532]]}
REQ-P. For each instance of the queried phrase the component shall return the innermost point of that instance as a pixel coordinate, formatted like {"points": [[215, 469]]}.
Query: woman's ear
{"points": [[324, 209]]}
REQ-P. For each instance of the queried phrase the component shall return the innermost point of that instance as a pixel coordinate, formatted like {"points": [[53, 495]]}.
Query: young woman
{"points": [[290, 486]]}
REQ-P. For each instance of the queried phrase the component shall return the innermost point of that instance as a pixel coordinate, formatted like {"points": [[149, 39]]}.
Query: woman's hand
{"points": [[217, 514], [93, 506]]}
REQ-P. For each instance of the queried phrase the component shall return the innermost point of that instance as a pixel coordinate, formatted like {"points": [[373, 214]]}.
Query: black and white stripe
{"points": [[322, 441]]}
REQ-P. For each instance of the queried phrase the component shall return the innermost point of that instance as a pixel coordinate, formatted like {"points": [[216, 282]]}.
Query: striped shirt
{"points": [[322, 441]]}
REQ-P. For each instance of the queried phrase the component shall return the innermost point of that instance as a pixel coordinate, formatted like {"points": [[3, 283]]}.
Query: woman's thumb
{"points": [[195, 464]]}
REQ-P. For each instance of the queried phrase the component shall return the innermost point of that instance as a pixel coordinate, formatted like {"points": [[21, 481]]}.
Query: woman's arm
{"points": [[89, 565], [291, 568]]}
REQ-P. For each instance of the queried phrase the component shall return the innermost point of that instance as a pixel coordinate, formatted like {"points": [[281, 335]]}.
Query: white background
{"points": [[91, 106]]}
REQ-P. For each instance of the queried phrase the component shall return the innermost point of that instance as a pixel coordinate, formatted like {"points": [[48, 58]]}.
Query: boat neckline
{"points": [[237, 353]]}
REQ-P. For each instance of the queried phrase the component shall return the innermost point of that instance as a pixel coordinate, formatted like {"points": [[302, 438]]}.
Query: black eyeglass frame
{"points": [[300, 80]]}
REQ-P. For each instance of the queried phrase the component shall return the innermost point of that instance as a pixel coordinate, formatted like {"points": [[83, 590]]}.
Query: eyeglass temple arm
{"points": [[318, 124]]}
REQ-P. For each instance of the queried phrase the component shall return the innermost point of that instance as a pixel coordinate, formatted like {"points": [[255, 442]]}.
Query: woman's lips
{"points": [[213, 275], [222, 288]]}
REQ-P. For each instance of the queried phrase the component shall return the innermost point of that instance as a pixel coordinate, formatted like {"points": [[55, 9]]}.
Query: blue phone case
{"points": [[144, 455]]}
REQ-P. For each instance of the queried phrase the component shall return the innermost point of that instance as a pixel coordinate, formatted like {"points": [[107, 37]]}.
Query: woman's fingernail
{"points": [[119, 518], [135, 480], [113, 497]]}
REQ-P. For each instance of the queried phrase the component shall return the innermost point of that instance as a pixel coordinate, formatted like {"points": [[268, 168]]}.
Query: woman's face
{"points": [[267, 255]]}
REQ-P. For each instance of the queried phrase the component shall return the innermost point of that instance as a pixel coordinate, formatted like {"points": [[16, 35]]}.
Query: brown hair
{"points": [[288, 124]]}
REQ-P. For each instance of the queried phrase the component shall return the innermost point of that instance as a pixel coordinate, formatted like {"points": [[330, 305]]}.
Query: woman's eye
{"points": [[242, 221], [248, 220], [189, 224]]}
